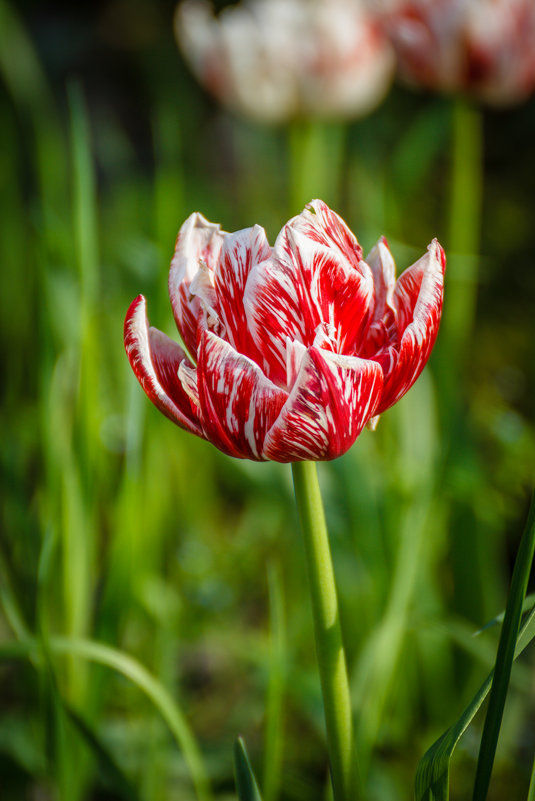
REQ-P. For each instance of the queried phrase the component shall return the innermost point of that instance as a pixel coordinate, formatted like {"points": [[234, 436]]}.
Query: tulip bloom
{"points": [[291, 350], [274, 60], [484, 48]]}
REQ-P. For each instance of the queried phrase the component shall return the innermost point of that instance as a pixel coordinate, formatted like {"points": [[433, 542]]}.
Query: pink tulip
{"points": [[484, 48], [274, 60], [291, 350]]}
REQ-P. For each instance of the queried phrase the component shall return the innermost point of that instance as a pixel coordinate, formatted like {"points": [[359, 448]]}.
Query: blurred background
{"points": [[153, 591]]}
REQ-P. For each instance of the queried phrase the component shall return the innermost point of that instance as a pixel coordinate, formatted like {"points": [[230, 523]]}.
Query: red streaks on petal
{"points": [[331, 401], [238, 403], [381, 263], [321, 224], [155, 360], [199, 243], [315, 280], [418, 304], [239, 253]]}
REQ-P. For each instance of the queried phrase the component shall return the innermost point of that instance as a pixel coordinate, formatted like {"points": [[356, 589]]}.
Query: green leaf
{"points": [[527, 606], [130, 668], [111, 774], [153, 689], [505, 657], [246, 785], [432, 775]]}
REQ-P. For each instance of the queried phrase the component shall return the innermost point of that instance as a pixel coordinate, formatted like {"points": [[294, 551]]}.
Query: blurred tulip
{"points": [[292, 349], [484, 48], [275, 60]]}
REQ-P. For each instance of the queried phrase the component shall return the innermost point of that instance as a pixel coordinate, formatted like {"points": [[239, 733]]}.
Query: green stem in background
{"points": [[531, 791], [329, 646], [316, 151], [274, 738], [465, 229], [505, 656]]}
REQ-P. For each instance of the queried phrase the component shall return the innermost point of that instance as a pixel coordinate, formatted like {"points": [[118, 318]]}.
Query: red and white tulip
{"points": [[289, 350], [274, 60], [483, 48]]}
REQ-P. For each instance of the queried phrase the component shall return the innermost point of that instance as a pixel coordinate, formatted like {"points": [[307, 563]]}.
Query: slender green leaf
{"points": [[527, 606], [432, 775], [531, 791], [111, 773], [133, 670], [246, 785], [505, 657], [171, 713], [274, 713]]}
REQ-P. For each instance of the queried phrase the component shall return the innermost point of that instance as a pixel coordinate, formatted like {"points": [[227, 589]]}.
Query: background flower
{"points": [[278, 59], [481, 47], [294, 349]]}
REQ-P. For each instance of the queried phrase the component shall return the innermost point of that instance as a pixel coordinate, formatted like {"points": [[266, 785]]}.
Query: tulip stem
{"points": [[329, 645], [316, 154], [465, 225]]}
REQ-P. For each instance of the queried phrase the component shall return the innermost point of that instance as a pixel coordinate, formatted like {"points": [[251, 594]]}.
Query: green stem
{"points": [[531, 791], [316, 154], [329, 646], [274, 738], [465, 226]]}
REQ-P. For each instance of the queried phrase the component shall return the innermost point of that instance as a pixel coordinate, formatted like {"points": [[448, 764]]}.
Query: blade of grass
{"points": [[432, 775], [246, 785], [527, 606], [505, 656], [111, 773], [274, 715], [133, 670], [531, 791], [154, 690]]}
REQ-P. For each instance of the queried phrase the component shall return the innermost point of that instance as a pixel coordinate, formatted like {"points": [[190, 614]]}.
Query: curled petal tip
{"points": [[438, 251], [155, 360]]}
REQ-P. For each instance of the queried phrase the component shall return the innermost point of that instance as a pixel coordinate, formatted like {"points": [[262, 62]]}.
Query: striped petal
{"points": [[321, 224], [155, 360], [332, 399], [197, 248], [315, 280], [240, 251], [381, 263], [238, 403], [417, 301]]}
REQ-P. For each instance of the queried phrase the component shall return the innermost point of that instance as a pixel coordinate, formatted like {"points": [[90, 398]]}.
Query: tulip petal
{"points": [[238, 403], [381, 263], [315, 280], [198, 246], [321, 224], [155, 360], [240, 251], [331, 401], [417, 301]]}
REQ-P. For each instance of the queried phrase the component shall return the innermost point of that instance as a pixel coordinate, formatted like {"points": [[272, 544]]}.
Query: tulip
{"points": [[482, 48], [275, 60], [289, 351]]}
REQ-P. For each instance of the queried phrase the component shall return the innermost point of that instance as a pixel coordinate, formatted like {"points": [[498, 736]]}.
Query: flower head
{"points": [[484, 48], [292, 349], [278, 59]]}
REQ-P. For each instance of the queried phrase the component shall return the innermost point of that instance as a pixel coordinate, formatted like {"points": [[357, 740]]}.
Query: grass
{"points": [[137, 547]]}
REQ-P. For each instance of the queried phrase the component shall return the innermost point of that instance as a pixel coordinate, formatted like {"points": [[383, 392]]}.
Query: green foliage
{"points": [[138, 630], [245, 779], [433, 775]]}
